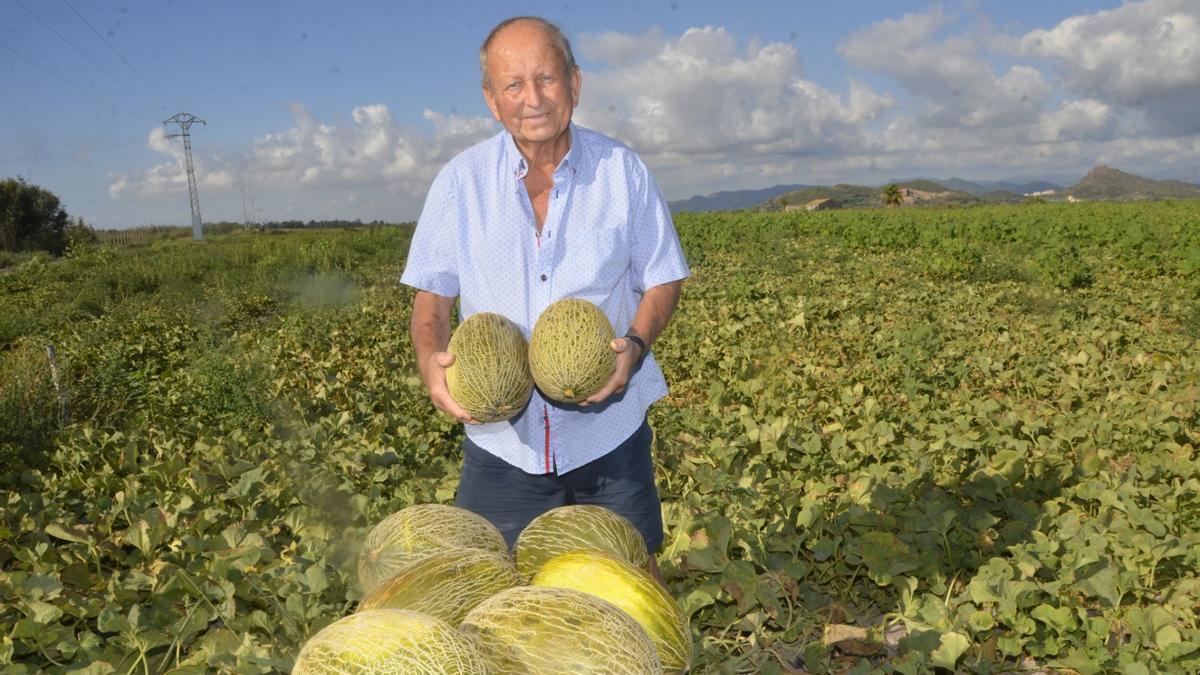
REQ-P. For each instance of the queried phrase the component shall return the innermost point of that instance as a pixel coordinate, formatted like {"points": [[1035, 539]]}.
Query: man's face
{"points": [[528, 89]]}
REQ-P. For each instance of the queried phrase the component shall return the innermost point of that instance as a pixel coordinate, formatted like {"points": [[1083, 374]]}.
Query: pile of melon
{"points": [[494, 370], [442, 594]]}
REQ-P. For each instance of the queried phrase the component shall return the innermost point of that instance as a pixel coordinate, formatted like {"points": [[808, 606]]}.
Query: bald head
{"points": [[554, 35]]}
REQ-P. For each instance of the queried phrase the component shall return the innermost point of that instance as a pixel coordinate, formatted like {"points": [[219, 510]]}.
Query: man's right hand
{"points": [[439, 391], [430, 330]]}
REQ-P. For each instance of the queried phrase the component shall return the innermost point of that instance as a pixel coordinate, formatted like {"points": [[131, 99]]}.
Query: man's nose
{"points": [[534, 94]]}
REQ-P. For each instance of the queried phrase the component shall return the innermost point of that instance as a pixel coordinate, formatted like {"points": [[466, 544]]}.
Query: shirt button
{"points": [[543, 277]]}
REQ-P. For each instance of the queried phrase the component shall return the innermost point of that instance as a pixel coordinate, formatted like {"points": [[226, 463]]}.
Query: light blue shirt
{"points": [[607, 237]]}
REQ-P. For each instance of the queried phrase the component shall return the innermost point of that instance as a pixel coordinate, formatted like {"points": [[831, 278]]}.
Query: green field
{"points": [[962, 438]]}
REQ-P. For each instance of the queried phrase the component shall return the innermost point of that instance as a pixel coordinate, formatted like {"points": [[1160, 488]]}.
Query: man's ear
{"points": [[576, 81]]}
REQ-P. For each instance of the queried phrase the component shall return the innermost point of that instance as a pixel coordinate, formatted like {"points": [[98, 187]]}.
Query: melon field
{"points": [[896, 441]]}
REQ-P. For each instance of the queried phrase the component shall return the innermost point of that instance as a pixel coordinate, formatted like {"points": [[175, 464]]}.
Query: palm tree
{"points": [[892, 196]]}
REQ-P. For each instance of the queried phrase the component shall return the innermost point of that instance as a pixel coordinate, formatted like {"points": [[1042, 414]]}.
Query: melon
{"points": [[631, 589], [490, 375], [416, 531], [546, 631], [578, 527], [446, 584], [569, 352], [389, 641]]}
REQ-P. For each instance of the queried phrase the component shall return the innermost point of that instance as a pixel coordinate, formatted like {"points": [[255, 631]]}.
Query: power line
{"points": [[86, 148], [119, 55], [84, 55], [72, 84]]}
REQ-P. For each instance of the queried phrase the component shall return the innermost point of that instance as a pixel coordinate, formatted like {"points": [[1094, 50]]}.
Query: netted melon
{"points": [[547, 631], [416, 531], [569, 352], [387, 641], [446, 584], [578, 527], [634, 591], [490, 375]]}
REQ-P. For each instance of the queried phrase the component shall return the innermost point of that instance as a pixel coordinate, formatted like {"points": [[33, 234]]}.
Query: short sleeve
{"points": [[657, 256], [432, 263]]}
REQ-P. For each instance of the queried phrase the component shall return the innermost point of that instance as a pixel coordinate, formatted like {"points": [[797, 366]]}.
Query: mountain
{"points": [[1107, 183], [978, 188], [730, 200], [920, 191], [1019, 188]]}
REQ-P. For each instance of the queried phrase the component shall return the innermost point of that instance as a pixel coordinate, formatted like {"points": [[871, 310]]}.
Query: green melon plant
{"points": [[490, 375], [569, 352]]}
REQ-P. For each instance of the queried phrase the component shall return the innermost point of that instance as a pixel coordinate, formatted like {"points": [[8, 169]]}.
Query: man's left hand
{"points": [[628, 355]]}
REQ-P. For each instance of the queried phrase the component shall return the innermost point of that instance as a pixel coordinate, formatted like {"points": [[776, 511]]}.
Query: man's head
{"points": [[530, 80]]}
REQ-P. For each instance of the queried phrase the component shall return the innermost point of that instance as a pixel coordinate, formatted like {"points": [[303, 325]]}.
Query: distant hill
{"points": [[1105, 183], [730, 200], [979, 188], [920, 191], [1102, 183]]}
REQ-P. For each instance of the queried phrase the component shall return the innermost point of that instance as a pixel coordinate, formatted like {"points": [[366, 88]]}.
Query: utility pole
{"points": [[245, 216], [185, 121]]}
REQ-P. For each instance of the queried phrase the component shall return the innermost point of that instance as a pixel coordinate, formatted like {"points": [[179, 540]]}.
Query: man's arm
{"points": [[653, 314], [430, 330]]}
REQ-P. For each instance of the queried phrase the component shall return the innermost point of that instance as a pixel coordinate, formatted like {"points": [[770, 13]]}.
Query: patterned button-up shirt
{"points": [[607, 237]]}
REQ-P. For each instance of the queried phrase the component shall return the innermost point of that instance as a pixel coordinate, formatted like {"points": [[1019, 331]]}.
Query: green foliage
{"points": [[1061, 265], [31, 218], [29, 407], [977, 470], [954, 260], [892, 196]]}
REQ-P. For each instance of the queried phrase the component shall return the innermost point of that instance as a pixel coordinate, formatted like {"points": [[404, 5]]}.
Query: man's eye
{"points": [[514, 85], [547, 79]]}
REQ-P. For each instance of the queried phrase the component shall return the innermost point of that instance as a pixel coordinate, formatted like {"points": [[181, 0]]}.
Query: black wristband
{"points": [[640, 343]]}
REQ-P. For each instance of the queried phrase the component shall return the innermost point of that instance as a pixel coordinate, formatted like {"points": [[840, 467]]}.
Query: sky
{"points": [[317, 110]]}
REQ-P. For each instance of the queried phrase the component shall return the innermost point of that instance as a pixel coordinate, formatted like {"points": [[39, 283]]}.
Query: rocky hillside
{"points": [[1105, 183]]}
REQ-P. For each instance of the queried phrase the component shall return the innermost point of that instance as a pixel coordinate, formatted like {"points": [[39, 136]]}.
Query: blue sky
{"points": [[317, 110]]}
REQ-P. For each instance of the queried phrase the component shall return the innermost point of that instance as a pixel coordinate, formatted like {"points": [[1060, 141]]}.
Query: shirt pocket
{"points": [[594, 261]]}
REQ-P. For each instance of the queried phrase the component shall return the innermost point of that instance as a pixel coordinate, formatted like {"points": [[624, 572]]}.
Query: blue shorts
{"points": [[622, 480]]}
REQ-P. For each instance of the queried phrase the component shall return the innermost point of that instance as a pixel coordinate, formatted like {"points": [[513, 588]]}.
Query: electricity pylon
{"points": [[185, 121]]}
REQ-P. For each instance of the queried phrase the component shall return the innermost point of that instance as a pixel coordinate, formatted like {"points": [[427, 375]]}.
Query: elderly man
{"points": [[542, 211]]}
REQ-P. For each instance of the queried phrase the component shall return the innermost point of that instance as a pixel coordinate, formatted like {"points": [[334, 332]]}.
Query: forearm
{"points": [[429, 329], [655, 310]]}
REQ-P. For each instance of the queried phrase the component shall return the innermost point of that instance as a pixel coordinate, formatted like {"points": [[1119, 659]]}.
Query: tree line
{"points": [[33, 219]]}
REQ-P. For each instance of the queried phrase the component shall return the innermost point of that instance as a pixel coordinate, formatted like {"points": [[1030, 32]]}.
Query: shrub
{"points": [[1060, 265], [29, 407]]}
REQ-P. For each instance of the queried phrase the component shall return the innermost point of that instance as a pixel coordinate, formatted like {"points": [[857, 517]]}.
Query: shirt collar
{"points": [[517, 166]]}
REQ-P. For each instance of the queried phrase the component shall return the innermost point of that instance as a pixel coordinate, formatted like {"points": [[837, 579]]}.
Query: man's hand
{"points": [[653, 313], [628, 355], [430, 330], [439, 391]]}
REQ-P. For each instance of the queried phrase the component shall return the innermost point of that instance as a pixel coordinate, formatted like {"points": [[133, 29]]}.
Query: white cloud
{"points": [[620, 49], [1142, 55], [951, 77], [1139, 52], [1088, 119], [709, 110], [374, 154], [700, 95]]}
